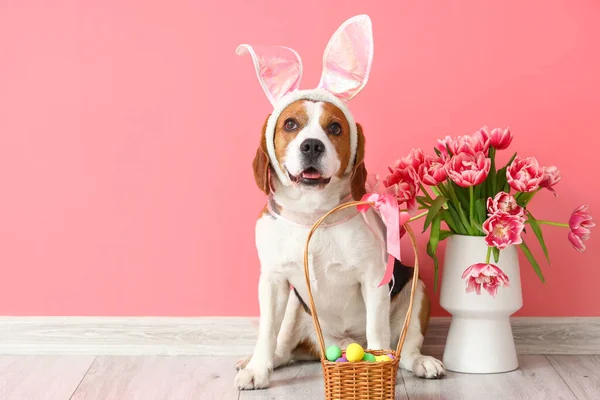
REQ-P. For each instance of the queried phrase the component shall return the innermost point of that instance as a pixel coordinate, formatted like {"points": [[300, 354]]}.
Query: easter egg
{"points": [[354, 352], [382, 358], [369, 357], [341, 359], [333, 353], [391, 356]]}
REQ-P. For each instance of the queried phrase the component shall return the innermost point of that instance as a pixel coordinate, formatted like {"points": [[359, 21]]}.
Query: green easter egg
{"points": [[369, 357], [333, 353]]}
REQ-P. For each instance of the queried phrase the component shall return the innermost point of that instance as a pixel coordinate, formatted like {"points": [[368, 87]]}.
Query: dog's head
{"points": [[311, 141], [313, 148]]}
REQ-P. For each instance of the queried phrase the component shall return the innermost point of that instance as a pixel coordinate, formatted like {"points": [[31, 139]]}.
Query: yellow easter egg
{"points": [[382, 358], [354, 352]]}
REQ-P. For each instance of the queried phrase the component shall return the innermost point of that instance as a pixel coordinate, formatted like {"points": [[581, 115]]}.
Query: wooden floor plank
{"points": [[535, 379], [581, 373], [41, 377], [159, 378], [211, 378], [301, 381]]}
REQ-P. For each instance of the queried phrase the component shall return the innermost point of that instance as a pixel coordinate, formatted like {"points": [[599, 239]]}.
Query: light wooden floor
{"points": [[197, 377]]}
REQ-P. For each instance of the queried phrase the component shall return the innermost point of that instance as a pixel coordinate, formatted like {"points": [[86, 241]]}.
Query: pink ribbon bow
{"points": [[393, 218]]}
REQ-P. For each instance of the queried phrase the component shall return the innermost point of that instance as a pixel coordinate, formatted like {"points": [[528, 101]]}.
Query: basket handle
{"points": [[310, 296]]}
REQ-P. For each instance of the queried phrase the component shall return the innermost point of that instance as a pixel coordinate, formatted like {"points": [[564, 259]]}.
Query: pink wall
{"points": [[127, 131]]}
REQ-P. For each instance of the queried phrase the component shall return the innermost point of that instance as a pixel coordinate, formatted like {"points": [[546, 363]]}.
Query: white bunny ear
{"points": [[348, 58], [279, 69]]}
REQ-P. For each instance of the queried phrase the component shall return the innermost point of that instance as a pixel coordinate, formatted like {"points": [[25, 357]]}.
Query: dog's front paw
{"points": [[251, 378], [242, 362], [428, 367]]}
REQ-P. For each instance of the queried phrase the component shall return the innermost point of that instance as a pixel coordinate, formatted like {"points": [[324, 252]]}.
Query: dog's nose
{"points": [[312, 148]]}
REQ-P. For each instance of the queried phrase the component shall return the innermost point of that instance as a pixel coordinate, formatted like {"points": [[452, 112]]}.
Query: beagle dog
{"points": [[311, 159]]}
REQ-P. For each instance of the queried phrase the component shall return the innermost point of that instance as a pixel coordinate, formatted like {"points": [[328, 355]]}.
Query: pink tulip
{"points": [[468, 170], [501, 138], [475, 143], [449, 142], [484, 138], [487, 275], [550, 178], [404, 184], [503, 229], [580, 224], [415, 158], [524, 174], [433, 171], [505, 202]]}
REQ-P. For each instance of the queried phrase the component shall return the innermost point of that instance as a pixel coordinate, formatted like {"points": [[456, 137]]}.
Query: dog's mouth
{"points": [[311, 177]]}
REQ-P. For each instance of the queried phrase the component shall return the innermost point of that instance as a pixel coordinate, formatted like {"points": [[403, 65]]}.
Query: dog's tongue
{"points": [[311, 174]]}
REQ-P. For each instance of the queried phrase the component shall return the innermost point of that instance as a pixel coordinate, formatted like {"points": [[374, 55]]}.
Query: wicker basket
{"points": [[360, 380]]}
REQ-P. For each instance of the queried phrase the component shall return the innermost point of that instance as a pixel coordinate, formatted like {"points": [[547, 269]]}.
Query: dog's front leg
{"points": [[273, 293], [377, 304]]}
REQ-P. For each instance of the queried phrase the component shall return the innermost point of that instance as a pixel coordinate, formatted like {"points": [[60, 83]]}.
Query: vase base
{"points": [[480, 346]]}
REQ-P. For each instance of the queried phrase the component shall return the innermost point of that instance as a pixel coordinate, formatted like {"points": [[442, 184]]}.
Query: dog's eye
{"points": [[290, 125], [335, 129]]}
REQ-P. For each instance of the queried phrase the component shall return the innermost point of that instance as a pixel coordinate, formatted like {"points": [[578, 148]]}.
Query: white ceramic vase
{"points": [[480, 339]]}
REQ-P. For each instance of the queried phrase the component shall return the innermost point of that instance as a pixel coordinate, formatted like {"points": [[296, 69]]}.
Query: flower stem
{"points": [[489, 253], [461, 213], [541, 222], [416, 217], [493, 170], [471, 204]]}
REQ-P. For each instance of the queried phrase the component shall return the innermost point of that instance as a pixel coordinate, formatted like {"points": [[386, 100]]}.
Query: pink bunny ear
{"points": [[348, 57], [279, 69]]}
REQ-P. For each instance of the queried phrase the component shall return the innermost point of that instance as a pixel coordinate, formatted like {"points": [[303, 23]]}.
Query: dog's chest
{"points": [[338, 255], [336, 250]]}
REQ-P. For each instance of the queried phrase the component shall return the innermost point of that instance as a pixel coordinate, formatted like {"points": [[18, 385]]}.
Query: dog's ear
{"points": [[261, 163], [359, 172]]}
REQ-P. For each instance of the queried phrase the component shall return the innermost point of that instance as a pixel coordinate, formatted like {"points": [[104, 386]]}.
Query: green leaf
{"points": [[461, 228], [534, 264], [422, 201], [463, 196], [481, 210], [496, 253], [538, 233], [434, 239], [445, 235], [523, 198], [500, 181], [433, 210], [451, 222], [478, 229], [478, 191]]}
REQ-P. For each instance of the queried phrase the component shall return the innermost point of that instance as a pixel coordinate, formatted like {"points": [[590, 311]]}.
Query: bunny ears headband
{"points": [[346, 67]]}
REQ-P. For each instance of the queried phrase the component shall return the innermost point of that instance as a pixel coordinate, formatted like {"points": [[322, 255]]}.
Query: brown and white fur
{"points": [[347, 259]]}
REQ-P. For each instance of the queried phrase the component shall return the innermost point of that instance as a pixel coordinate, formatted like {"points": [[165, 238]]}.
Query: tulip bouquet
{"points": [[462, 187]]}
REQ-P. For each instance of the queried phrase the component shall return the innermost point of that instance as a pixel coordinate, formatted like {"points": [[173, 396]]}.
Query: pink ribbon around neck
{"points": [[393, 218]]}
